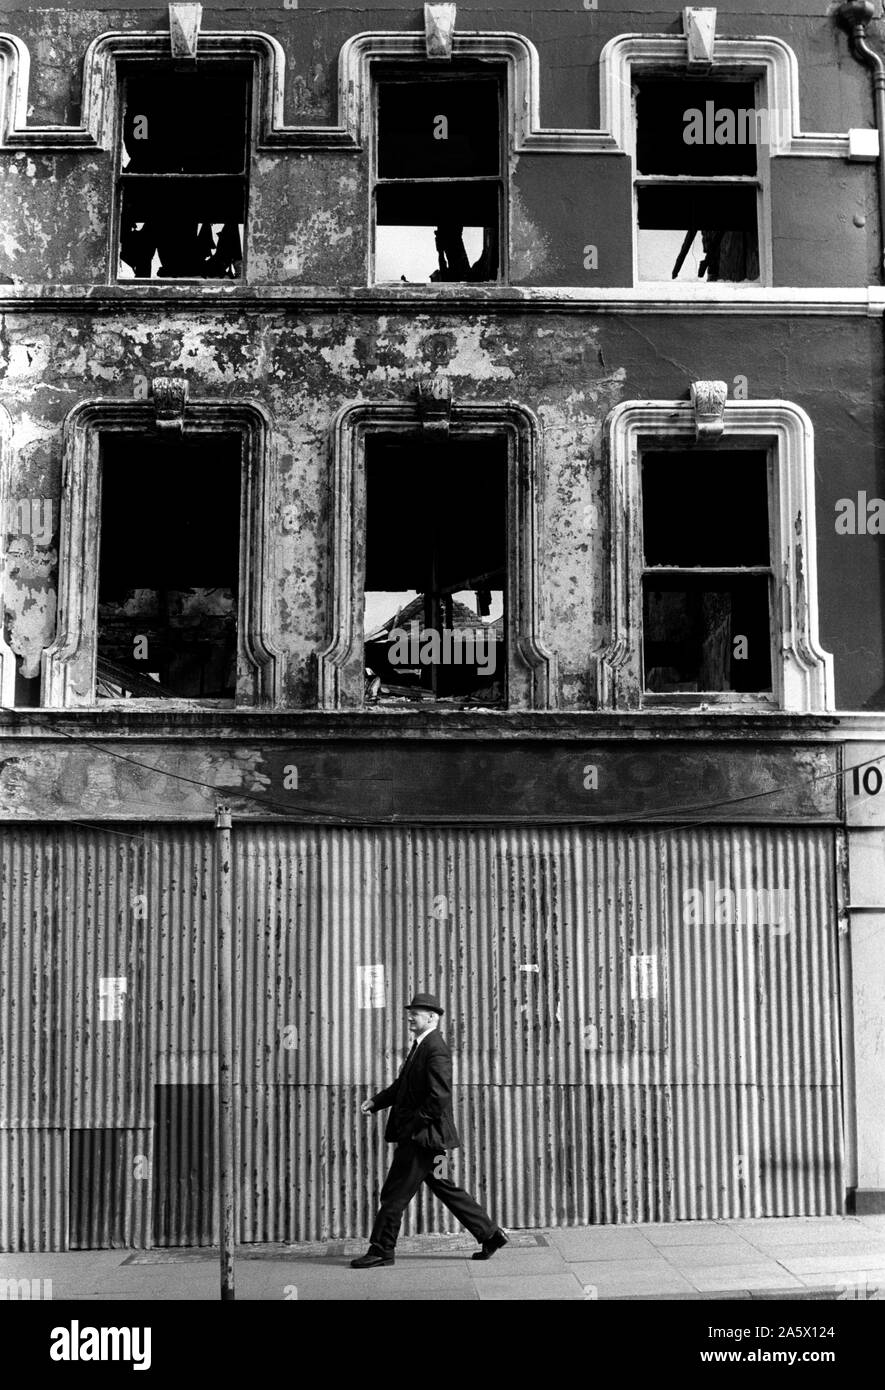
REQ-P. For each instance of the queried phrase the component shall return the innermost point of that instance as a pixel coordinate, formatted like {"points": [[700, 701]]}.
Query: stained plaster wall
{"points": [[308, 224], [570, 368], [308, 221]]}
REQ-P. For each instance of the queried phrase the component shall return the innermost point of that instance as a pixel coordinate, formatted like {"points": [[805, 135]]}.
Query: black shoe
{"points": [[489, 1246], [372, 1260]]}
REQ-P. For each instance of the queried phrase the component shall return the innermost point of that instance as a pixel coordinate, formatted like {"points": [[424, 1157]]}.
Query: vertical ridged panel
{"points": [[33, 1189], [579, 1100]]}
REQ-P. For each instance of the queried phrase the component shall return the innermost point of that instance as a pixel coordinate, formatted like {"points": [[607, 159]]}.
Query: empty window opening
{"points": [[698, 185], [435, 619], [182, 180], [707, 578], [439, 199], [168, 569]]}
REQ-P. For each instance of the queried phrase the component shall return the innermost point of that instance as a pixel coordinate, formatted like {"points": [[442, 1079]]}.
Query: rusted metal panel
{"points": [[627, 1045]]}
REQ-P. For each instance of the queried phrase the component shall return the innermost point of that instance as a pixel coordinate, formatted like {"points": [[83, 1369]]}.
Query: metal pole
{"points": [[226, 1119], [854, 16]]}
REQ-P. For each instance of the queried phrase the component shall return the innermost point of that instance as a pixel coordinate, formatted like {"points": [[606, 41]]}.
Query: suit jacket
{"points": [[420, 1099]]}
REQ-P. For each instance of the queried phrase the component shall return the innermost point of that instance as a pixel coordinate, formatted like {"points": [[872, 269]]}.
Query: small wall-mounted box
{"points": [[863, 143]]}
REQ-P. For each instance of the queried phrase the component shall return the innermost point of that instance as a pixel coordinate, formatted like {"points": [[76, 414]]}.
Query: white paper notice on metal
{"points": [[111, 991], [643, 977], [370, 990]]}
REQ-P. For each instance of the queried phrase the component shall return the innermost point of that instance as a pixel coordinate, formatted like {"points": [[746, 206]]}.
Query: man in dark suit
{"points": [[422, 1127]]}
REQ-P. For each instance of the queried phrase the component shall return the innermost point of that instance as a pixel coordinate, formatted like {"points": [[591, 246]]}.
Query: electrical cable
{"points": [[314, 811]]}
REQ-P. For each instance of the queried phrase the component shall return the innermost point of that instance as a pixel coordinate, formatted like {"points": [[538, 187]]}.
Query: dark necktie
{"points": [[409, 1058]]}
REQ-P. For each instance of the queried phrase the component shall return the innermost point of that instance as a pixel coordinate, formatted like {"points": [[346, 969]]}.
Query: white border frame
{"points": [[802, 674]]}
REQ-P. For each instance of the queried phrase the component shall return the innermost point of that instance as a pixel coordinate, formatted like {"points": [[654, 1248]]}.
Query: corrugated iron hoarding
{"points": [[635, 1038]]}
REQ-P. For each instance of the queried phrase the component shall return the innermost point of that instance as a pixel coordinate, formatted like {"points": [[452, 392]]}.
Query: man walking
{"points": [[422, 1127]]}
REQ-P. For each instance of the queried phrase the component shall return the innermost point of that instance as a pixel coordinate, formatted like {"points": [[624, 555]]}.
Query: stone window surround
{"points": [[532, 673], [7, 656], [771, 57], [802, 672], [68, 665]]}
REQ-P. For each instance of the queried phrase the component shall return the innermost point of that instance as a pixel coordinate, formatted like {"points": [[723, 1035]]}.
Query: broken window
{"points": [[182, 181], [435, 617], [439, 191], [168, 575], [698, 185], [707, 577]]}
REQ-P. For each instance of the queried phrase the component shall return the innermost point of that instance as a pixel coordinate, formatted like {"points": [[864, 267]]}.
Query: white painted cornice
{"points": [[721, 300]]}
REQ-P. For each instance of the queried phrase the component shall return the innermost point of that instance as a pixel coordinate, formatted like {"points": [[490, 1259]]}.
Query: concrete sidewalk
{"points": [[796, 1258]]}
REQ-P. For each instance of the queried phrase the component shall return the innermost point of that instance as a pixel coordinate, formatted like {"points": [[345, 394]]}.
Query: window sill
{"points": [[710, 702], [160, 705], [725, 296]]}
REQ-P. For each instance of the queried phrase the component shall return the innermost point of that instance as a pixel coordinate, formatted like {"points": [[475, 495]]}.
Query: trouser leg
{"points": [[462, 1205], [402, 1182]]}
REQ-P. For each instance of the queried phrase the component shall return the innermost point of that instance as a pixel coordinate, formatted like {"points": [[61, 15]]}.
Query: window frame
{"points": [[393, 71], [729, 448], [128, 700], [417, 437], [69, 663], [802, 672], [675, 68], [531, 667], [147, 67]]}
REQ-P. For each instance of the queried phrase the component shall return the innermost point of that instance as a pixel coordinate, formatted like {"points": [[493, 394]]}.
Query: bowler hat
{"points": [[426, 1001]]}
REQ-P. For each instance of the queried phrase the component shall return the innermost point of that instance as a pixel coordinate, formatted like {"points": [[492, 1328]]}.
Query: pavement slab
{"points": [[693, 1233], [802, 1257], [754, 1276], [508, 1261], [597, 1243], [620, 1277], [852, 1265], [722, 1253], [560, 1287]]}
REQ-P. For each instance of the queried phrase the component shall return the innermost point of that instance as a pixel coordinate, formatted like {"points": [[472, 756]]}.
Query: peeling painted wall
{"points": [[309, 226], [309, 212], [570, 363], [571, 369]]}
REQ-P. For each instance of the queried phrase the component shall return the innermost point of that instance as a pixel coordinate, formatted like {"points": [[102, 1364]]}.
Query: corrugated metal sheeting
{"points": [[630, 1042]]}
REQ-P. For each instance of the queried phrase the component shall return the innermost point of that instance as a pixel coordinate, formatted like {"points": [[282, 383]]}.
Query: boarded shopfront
{"points": [[630, 1042]]}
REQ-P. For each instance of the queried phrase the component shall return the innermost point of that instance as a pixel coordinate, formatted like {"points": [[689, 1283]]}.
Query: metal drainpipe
{"points": [[854, 16]]}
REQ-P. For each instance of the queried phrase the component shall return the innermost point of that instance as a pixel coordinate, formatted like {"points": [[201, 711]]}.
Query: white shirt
{"points": [[421, 1036]]}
